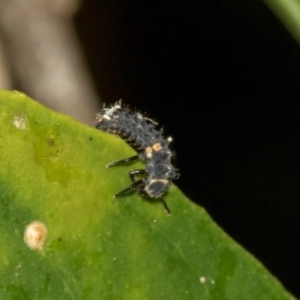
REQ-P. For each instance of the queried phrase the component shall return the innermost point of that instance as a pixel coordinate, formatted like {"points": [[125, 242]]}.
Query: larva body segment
{"points": [[140, 133]]}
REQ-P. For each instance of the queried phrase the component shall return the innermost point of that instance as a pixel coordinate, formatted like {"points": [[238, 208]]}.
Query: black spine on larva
{"points": [[141, 134]]}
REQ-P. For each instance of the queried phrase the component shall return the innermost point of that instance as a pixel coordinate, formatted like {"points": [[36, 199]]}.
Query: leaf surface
{"points": [[99, 247]]}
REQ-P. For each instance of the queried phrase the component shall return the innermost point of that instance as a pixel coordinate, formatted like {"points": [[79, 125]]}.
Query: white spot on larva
{"points": [[35, 235], [20, 121], [202, 279]]}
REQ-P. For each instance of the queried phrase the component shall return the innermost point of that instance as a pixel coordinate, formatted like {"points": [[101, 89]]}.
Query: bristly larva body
{"points": [[140, 133]]}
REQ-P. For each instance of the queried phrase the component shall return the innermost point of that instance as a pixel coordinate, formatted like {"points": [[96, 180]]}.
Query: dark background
{"points": [[224, 78]]}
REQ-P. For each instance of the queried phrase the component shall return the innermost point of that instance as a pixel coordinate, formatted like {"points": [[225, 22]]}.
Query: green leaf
{"points": [[98, 247], [288, 12]]}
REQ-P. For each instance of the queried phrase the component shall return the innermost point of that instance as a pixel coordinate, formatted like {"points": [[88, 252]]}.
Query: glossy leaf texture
{"points": [[98, 247]]}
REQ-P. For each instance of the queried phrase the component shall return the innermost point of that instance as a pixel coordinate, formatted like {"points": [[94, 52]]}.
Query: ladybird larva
{"points": [[152, 147]]}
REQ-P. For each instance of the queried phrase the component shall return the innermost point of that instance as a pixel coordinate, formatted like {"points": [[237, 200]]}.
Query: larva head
{"points": [[110, 113]]}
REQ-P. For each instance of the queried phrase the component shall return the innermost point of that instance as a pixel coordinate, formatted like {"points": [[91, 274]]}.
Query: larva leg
{"points": [[122, 161], [133, 173], [136, 186], [165, 206]]}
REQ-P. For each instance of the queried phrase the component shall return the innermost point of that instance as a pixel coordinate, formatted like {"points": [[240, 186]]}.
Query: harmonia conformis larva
{"points": [[140, 133]]}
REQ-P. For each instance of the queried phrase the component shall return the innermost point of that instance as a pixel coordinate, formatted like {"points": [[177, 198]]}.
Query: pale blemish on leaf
{"points": [[20, 121], [202, 279], [35, 235]]}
